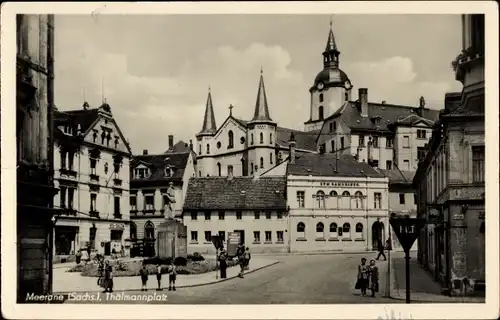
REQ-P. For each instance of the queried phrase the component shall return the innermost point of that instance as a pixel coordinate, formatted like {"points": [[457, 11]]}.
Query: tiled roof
{"points": [[388, 113], [237, 193], [397, 176], [179, 147], [325, 164], [473, 107], [303, 140], [157, 163], [84, 118]]}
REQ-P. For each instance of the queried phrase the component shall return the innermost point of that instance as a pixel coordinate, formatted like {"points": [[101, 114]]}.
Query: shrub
{"points": [[157, 260], [195, 257], [180, 261]]}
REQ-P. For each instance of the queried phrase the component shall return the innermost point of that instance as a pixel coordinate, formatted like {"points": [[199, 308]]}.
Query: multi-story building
{"points": [[35, 185], [450, 179], [151, 176], [335, 202], [91, 162], [253, 206]]}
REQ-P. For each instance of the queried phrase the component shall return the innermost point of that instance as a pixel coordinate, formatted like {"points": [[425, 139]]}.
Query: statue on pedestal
{"points": [[170, 197]]}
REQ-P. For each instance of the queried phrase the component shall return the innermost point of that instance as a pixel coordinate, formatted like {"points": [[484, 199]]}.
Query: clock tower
{"points": [[331, 87]]}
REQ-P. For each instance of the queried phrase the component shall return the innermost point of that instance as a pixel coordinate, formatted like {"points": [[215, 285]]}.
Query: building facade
{"points": [[450, 180], [34, 136], [335, 202], [91, 162], [253, 206], [151, 176]]}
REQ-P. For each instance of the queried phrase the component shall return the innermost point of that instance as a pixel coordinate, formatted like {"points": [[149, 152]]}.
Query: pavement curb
{"points": [[65, 293]]}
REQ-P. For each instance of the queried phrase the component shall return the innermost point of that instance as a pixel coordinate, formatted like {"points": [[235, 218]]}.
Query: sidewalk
{"points": [[423, 289], [65, 282]]}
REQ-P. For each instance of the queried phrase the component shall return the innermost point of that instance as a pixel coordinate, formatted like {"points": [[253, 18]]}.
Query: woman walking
{"points": [[144, 277], [108, 277], [362, 281], [158, 276], [223, 263], [373, 272]]}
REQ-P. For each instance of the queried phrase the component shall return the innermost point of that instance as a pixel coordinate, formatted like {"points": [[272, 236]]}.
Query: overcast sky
{"points": [[156, 70]]}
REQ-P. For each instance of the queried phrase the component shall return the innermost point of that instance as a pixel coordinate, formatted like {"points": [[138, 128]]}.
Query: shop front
{"points": [[116, 244]]}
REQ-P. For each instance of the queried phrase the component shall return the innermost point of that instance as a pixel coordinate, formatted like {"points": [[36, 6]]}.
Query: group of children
{"points": [[172, 275]]}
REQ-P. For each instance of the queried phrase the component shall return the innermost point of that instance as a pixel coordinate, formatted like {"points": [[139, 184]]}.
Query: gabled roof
{"points": [[158, 163], [84, 118], [388, 115], [326, 165], [398, 176], [179, 147], [304, 140], [236, 193]]}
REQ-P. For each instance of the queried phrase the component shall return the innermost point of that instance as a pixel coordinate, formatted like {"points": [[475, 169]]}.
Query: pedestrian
{"points": [[373, 272], [362, 279], [223, 263], [158, 276], [144, 277], [241, 260], [248, 256], [108, 277], [381, 249], [85, 256], [78, 256], [172, 275]]}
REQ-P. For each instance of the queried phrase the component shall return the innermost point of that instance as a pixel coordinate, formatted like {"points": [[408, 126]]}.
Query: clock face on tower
{"points": [[347, 85], [320, 86]]}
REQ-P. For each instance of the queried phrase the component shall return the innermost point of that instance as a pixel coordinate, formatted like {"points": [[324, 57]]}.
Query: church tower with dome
{"points": [[331, 87]]}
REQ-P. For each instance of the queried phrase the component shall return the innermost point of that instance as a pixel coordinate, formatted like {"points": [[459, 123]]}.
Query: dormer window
{"points": [[68, 130], [141, 173], [169, 172]]}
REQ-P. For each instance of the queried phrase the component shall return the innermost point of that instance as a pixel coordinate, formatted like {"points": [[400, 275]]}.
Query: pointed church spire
{"points": [[330, 43], [261, 109], [331, 53], [209, 126]]}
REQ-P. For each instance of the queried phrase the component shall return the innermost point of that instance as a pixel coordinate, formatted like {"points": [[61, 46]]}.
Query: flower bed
{"points": [[132, 268]]}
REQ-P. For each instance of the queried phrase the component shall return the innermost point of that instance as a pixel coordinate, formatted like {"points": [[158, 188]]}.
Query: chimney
{"points": [[145, 152], [363, 101], [383, 102], [170, 141], [191, 145], [292, 143]]}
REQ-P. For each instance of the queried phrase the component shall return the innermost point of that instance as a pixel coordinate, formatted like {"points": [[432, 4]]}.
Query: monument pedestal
{"points": [[172, 239]]}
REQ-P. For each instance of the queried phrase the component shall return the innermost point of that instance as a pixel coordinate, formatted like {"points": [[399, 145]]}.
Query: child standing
{"points": [[172, 275], [144, 277], [158, 276]]}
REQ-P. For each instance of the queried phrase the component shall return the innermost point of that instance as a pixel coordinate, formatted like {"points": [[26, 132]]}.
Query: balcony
{"points": [[94, 214], [117, 215], [467, 59], [117, 182], [94, 177], [67, 172]]}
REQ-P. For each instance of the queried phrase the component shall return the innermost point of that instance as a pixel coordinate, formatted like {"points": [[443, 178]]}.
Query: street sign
{"points": [[233, 241], [407, 230], [217, 241]]}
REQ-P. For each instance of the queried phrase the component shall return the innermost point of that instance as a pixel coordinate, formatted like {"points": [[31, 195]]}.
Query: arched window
{"points": [[261, 162], [320, 113], [346, 230], [333, 200], [230, 136], [346, 200], [261, 138], [251, 168], [271, 158], [229, 170], [199, 149], [270, 138], [320, 199], [301, 230], [359, 230], [133, 231], [149, 230], [251, 138], [320, 231], [346, 96], [243, 167], [320, 97], [333, 145], [358, 198], [219, 169], [333, 230], [199, 173], [208, 148], [334, 126]]}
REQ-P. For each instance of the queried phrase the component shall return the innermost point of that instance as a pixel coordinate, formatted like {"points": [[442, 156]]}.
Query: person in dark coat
{"points": [[241, 259], [158, 276], [144, 277], [223, 263], [108, 277], [381, 249], [172, 276], [373, 276], [363, 275]]}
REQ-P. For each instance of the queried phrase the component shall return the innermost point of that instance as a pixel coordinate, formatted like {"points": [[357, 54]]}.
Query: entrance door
{"points": [[377, 234], [242, 236], [107, 248]]}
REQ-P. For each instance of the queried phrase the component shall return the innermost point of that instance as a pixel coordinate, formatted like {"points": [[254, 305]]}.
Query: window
{"points": [[222, 215], [300, 198], [117, 207], [421, 134], [346, 96], [133, 231], [251, 139], [261, 138], [150, 202], [320, 200], [401, 198], [359, 230], [208, 215], [270, 138], [388, 164], [251, 168], [63, 198], [361, 141], [301, 230], [279, 215], [222, 235], [346, 200], [415, 200], [194, 236], [358, 197], [199, 173], [341, 143], [375, 142], [389, 142], [238, 215], [375, 163], [93, 165], [406, 141], [256, 236], [420, 153], [149, 230], [406, 164], [320, 113], [71, 193], [269, 236], [141, 173], [333, 145], [93, 202], [229, 170], [208, 236], [133, 203], [194, 215], [268, 215], [320, 229], [199, 149], [320, 97], [331, 126], [256, 215], [377, 204], [478, 164], [333, 230], [208, 148], [261, 162], [279, 236], [230, 137], [271, 158], [219, 169], [346, 230]]}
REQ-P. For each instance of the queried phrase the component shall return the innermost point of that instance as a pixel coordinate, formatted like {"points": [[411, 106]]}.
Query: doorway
{"points": [[378, 234], [242, 236]]}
